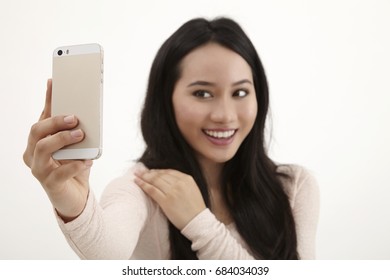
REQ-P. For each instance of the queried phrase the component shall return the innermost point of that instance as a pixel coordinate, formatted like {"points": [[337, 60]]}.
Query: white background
{"points": [[328, 69]]}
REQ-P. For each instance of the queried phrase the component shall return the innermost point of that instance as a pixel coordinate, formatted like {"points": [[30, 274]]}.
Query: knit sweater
{"points": [[127, 224]]}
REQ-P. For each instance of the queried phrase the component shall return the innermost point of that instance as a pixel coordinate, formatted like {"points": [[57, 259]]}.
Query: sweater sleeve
{"points": [[305, 208], [111, 229], [212, 240]]}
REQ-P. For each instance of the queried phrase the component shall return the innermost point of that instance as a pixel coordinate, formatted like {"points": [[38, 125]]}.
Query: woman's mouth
{"points": [[220, 137]]}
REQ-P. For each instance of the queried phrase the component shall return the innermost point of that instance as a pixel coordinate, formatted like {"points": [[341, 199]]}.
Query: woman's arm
{"points": [[212, 240], [111, 229], [305, 204]]}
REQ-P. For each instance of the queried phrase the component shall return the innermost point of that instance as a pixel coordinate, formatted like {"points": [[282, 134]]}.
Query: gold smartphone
{"points": [[78, 90]]}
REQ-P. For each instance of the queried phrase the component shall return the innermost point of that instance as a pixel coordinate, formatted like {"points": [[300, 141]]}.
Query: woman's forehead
{"points": [[216, 63]]}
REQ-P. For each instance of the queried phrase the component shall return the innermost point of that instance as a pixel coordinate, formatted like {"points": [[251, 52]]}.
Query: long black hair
{"points": [[251, 187]]}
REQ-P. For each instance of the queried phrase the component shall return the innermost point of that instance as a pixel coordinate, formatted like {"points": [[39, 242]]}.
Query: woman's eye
{"points": [[202, 94], [240, 93]]}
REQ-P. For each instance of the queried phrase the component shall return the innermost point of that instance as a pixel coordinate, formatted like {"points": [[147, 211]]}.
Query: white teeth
{"points": [[220, 134]]}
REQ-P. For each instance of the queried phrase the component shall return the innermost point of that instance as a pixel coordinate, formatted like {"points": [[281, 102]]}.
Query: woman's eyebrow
{"points": [[206, 83], [242, 82], [201, 83]]}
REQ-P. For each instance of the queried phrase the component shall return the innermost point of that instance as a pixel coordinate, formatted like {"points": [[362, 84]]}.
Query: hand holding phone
{"points": [[65, 182], [78, 91]]}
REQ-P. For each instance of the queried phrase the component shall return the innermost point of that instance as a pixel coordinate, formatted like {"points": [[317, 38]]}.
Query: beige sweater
{"points": [[127, 224]]}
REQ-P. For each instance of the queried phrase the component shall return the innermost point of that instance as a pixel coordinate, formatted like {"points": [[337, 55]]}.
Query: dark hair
{"points": [[251, 184]]}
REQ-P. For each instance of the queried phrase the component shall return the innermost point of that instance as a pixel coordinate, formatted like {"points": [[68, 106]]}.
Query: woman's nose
{"points": [[223, 111]]}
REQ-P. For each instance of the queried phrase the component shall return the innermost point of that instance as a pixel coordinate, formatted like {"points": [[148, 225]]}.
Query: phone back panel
{"points": [[77, 90]]}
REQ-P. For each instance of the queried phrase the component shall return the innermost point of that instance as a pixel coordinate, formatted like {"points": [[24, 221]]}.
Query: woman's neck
{"points": [[212, 171]]}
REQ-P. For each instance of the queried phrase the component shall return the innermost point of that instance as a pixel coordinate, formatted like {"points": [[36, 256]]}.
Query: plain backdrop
{"points": [[328, 68]]}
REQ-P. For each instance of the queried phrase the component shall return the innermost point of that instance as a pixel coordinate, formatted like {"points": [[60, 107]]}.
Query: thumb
{"points": [[46, 113]]}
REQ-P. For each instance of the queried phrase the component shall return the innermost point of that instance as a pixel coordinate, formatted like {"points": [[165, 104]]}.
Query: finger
{"points": [[161, 174], [155, 193], [27, 155], [171, 172], [45, 128], [52, 125], [160, 180], [42, 163], [47, 146], [46, 113], [173, 177], [140, 171]]}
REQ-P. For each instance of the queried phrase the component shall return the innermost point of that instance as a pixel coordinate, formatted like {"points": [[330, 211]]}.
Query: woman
{"points": [[204, 187]]}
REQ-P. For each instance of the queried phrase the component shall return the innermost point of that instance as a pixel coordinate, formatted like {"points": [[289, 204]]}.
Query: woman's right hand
{"points": [[65, 182]]}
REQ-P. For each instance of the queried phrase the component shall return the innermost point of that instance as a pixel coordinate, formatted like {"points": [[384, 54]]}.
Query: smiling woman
{"points": [[216, 112], [204, 187]]}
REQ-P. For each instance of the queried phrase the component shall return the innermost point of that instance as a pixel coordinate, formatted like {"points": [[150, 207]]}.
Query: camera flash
{"points": [[67, 51]]}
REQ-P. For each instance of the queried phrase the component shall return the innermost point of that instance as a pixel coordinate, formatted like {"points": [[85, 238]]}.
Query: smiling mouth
{"points": [[218, 134]]}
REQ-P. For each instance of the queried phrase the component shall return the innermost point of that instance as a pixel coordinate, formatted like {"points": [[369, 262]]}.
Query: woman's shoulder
{"points": [[298, 181], [127, 177], [124, 187], [294, 171]]}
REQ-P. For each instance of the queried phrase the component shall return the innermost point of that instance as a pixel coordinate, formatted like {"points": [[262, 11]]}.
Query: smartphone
{"points": [[78, 90]]}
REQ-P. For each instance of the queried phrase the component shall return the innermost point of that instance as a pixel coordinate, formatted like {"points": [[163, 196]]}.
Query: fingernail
{"points": [[69, 119], [139, 172], [88, 163], [76, 133]]}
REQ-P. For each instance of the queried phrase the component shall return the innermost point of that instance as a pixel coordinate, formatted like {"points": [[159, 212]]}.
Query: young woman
{"points": [[204, 187]]}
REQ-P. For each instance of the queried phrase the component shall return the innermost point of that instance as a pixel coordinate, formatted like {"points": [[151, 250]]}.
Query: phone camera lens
{"points": [[59, 52]]}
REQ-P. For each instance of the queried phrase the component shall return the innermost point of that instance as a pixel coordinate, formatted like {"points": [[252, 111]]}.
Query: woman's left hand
{"points": [[176, 193]]}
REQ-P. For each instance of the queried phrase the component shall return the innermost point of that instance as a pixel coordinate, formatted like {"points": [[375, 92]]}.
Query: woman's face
{"points": [[214, 102]]}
